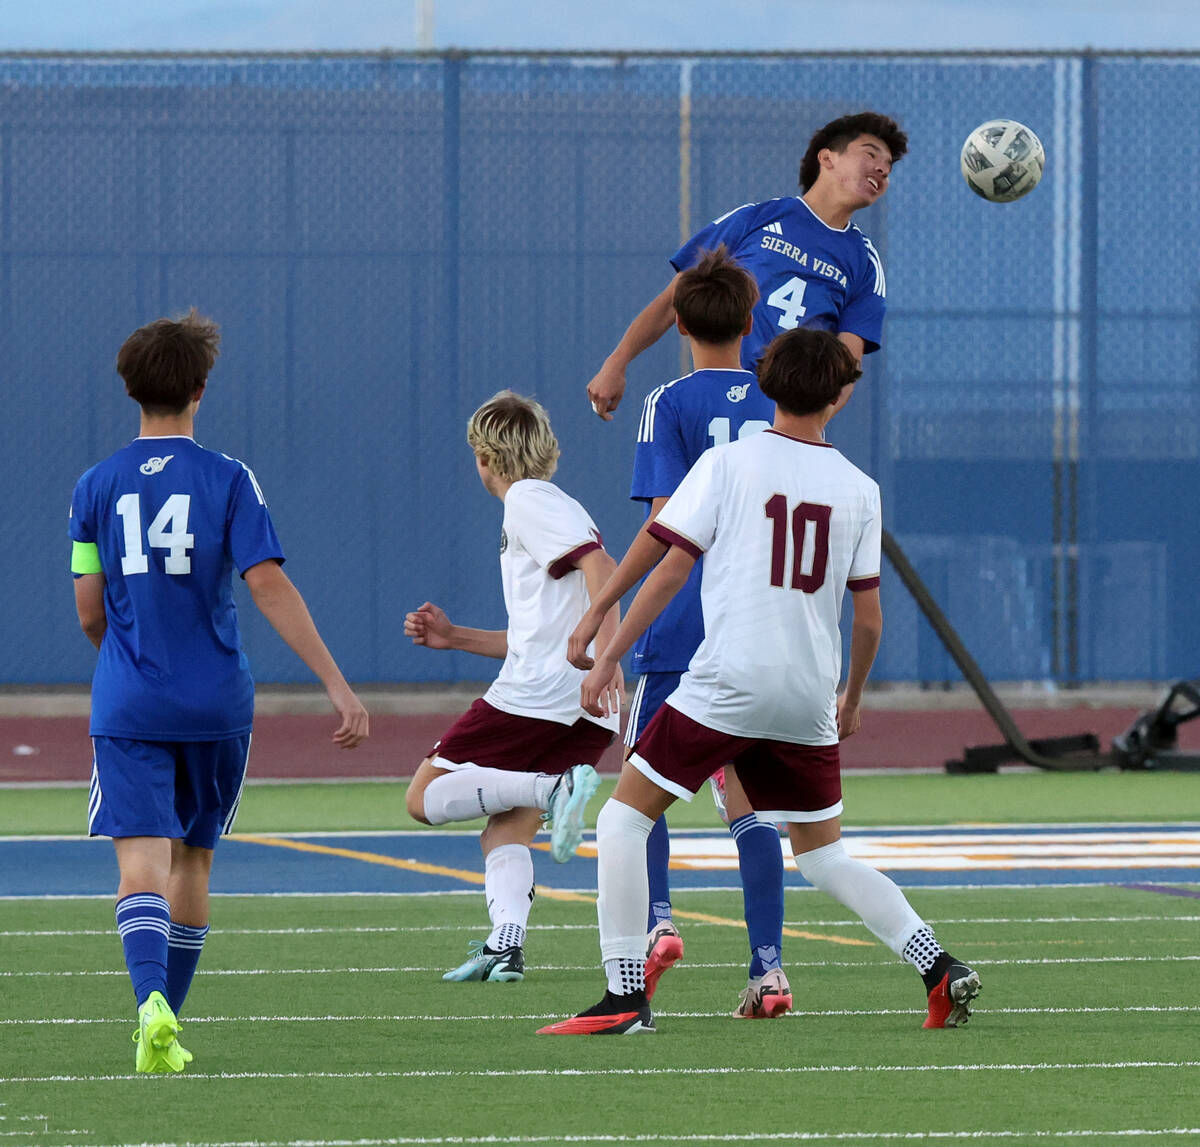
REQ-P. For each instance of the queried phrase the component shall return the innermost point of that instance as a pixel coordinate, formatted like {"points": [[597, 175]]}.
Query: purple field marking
{"points": [[1164, 889]]}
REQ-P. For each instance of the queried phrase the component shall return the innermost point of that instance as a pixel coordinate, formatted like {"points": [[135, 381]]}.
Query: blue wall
{"points": [[387, 241]]}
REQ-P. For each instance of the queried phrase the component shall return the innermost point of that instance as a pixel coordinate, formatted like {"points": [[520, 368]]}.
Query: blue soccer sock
{"points": [[143, 923], [658, 868], [760, 861], [184, 946]]}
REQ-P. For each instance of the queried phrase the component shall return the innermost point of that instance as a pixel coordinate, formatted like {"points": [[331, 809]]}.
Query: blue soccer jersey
{"points": [[170, 520], [808, 273], [679, 422]]}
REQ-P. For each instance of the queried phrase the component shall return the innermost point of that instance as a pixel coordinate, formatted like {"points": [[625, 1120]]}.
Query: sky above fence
{"points": [[298, 25]]}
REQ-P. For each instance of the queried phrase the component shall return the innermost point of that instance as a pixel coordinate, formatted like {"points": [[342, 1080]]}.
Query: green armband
{"points": [[85, 558]]}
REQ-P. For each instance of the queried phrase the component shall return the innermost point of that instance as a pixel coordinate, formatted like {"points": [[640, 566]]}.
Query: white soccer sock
{"points": [[475, 791], [624, 888], [864, 890], [625, 975], [508, 885]]}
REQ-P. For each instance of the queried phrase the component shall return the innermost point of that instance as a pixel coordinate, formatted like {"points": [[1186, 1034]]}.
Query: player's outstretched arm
{"points": [[662, 585], [857, 347], [598, 568], [606, 389], [281, 604], [865, 633], [429, 626], [89, 605], [643, 554]]}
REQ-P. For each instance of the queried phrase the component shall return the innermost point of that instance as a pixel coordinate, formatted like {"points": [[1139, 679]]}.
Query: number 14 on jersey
{"points": [[168, 531]]}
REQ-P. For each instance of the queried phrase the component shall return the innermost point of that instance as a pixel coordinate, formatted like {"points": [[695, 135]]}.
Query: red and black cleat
{"points": [[664, 947], [951, 996], [613, 1015]]}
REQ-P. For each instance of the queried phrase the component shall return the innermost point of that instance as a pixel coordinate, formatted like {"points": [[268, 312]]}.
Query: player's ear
{"points": [[680, 327], [749, 325]]}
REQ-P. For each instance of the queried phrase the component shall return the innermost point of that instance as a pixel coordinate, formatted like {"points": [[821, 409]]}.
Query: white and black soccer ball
{"points": [[1002, 160]]}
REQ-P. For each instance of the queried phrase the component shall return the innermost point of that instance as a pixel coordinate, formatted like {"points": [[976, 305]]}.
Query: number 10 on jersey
{"points": [[809, 530]]}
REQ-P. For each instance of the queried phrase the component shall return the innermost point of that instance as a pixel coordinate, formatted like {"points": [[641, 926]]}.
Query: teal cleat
{"points": [[507, 966], [568, 802]]}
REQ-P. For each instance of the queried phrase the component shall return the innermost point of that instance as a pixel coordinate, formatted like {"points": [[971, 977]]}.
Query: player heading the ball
{"points": [[813, 266]]}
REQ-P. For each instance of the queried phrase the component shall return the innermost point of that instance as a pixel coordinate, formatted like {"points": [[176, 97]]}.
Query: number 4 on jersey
{"points": [[790, 300], [167, 532]]}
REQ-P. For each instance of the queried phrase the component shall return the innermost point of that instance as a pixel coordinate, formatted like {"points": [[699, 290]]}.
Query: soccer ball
{"points": [[1002, 160]]}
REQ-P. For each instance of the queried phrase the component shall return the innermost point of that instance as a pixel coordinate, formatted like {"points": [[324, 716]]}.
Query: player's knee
{"points": [[618, 821], [608, 822], [818, 864], [414, 799], [414, 802]]}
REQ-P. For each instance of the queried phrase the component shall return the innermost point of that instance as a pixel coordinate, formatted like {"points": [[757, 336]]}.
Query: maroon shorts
{"points": [[486, 736], [783, 781]]}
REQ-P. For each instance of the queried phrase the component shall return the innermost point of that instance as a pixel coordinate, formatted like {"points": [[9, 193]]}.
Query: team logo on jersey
{"points": [[503, 540], [155, 465], [737, 393]]}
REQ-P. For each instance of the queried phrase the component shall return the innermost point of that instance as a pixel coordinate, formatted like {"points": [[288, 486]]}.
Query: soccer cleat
{"points": [[158, 1051], [949, 1000], [663, 947], [568, 800], [504, 967], [766, 997], [717, 782], [613, 1015]]}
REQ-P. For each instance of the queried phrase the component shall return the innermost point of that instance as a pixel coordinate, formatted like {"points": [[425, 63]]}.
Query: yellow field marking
{"points": [[795, 933], [367, 857], [397, 862], [540, 889]]}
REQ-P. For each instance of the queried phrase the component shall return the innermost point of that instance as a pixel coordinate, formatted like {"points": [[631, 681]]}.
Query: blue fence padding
{"points": [[386, 241]]}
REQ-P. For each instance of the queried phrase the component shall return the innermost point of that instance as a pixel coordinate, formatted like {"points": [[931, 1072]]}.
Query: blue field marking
{"points": [[413, 862]]}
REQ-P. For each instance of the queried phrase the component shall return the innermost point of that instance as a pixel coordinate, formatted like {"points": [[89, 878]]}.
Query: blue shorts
{"points": [[652, 690], [183, 790]]}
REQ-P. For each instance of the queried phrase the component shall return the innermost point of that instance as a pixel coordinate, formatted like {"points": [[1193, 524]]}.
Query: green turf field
{"points": [[906, 798], [324, 1021]]}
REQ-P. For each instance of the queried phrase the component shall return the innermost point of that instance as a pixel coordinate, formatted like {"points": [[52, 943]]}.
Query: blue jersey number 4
{"points": [[790, 300]]}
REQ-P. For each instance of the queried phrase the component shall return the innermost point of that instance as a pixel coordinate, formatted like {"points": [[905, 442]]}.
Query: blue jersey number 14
{"points": [[167, 532]]}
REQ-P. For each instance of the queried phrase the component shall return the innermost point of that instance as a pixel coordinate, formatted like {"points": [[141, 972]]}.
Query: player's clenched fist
{"points": [[428, 626]]}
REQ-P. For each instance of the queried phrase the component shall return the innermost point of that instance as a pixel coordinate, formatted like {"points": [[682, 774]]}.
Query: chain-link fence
{"points": [[387, 240]]}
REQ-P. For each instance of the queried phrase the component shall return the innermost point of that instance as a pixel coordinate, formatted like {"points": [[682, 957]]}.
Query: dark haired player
{"points": [[157, 530], [785, 525], [813, 266], [717, 403]]}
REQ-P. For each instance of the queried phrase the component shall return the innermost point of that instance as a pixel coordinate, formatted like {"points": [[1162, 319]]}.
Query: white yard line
{"points": [[689, 965], [636, 1072], [839, 1013], [739, 1137], [400, 930]]}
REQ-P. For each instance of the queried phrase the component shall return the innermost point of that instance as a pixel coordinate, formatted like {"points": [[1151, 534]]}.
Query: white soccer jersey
{"points": [[784, 527], [544, 535]]}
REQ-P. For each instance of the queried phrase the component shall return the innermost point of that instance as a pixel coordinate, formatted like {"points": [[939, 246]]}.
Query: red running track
{"points": [[299, 747]]}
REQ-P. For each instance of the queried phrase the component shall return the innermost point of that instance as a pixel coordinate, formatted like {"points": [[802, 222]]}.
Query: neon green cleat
{"points": [[158, 1051]]}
